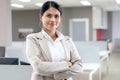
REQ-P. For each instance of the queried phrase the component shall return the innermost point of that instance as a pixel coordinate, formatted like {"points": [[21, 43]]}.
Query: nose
{"points": [[52, 18]]}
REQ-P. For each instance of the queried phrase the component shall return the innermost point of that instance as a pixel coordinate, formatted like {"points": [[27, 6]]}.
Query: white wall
{"points": [[5, 23]]}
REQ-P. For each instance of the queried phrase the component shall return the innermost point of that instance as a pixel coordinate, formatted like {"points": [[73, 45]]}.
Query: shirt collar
{"points": [[60, 35]]}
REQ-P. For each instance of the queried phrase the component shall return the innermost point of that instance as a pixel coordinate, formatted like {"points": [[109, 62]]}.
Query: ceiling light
{"points": [[25, 0], [85, 2], [118, 1], [39, 4], [17, 5]]}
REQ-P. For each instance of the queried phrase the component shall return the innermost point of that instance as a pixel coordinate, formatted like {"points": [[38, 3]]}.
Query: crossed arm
{"points": [[58, 70]]}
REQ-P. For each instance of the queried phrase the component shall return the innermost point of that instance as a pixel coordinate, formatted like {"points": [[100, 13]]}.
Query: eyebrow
{"points": [[52, 13]]}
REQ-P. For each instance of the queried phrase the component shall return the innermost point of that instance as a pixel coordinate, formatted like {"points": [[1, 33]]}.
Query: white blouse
{"points": [[55, 47]]}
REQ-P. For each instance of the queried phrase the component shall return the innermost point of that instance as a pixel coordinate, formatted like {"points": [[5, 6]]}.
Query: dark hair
{"points": [[49, 4]]}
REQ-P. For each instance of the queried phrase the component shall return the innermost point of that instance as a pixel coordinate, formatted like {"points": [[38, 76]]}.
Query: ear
{"points": [[40, 17]]}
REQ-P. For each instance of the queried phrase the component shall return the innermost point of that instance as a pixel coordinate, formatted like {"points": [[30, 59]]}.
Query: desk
{"points": [[92, 68], [23, 72], [104, 55], [15, 72], [89, 70]]}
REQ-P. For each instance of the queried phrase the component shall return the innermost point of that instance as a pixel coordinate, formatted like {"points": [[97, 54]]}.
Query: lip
{"points": [[52, 24]]}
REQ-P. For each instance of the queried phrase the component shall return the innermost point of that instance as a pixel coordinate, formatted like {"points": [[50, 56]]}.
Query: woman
{"points": [[52, 55]]}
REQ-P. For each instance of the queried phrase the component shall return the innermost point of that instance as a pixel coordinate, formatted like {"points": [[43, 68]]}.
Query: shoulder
{"points": [[67, 38], [34, 36]]}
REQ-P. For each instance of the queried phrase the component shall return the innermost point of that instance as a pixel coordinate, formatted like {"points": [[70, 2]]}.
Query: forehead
{"points": [[52, 10]]}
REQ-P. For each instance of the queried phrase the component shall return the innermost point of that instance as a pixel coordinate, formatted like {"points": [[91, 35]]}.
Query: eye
{"points": [[49, 15], [56, 16]]}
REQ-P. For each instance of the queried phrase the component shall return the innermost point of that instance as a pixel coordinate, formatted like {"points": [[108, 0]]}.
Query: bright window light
{"points": [[17, 5], [25, 0], [39, 4], [118, 1], [85, 2]]}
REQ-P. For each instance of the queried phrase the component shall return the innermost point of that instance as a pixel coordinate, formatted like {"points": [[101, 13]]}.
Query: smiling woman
{"points": [[52, 55]]}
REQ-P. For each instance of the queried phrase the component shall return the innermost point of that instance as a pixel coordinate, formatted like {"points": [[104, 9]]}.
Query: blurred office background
{"points": [[95, 22]]}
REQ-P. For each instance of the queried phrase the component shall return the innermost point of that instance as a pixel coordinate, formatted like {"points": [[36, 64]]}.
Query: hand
{"points": [[69, 64], [40, 57]]}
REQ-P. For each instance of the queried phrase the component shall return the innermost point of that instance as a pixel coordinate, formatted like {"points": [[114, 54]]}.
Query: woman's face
{"points": [[51, 19]]}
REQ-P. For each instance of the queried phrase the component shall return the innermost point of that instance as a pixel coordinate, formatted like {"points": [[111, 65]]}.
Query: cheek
{"points": [[59, 20], [44, 20]]}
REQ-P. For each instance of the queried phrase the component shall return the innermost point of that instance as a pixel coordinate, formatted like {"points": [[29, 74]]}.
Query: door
{"points": [[79, 29]]}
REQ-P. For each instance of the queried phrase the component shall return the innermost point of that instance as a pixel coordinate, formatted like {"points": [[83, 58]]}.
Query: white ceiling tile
{"points": [[109, 5]]}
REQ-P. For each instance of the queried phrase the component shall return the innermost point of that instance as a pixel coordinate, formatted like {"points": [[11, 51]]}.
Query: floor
{"points": [[114, 67]]}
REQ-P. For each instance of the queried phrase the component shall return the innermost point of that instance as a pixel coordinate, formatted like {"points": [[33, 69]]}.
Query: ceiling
{"points": [[107, 5]]}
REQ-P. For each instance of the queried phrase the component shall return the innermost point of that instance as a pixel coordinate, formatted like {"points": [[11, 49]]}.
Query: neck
{"points": [[51, 33]]}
